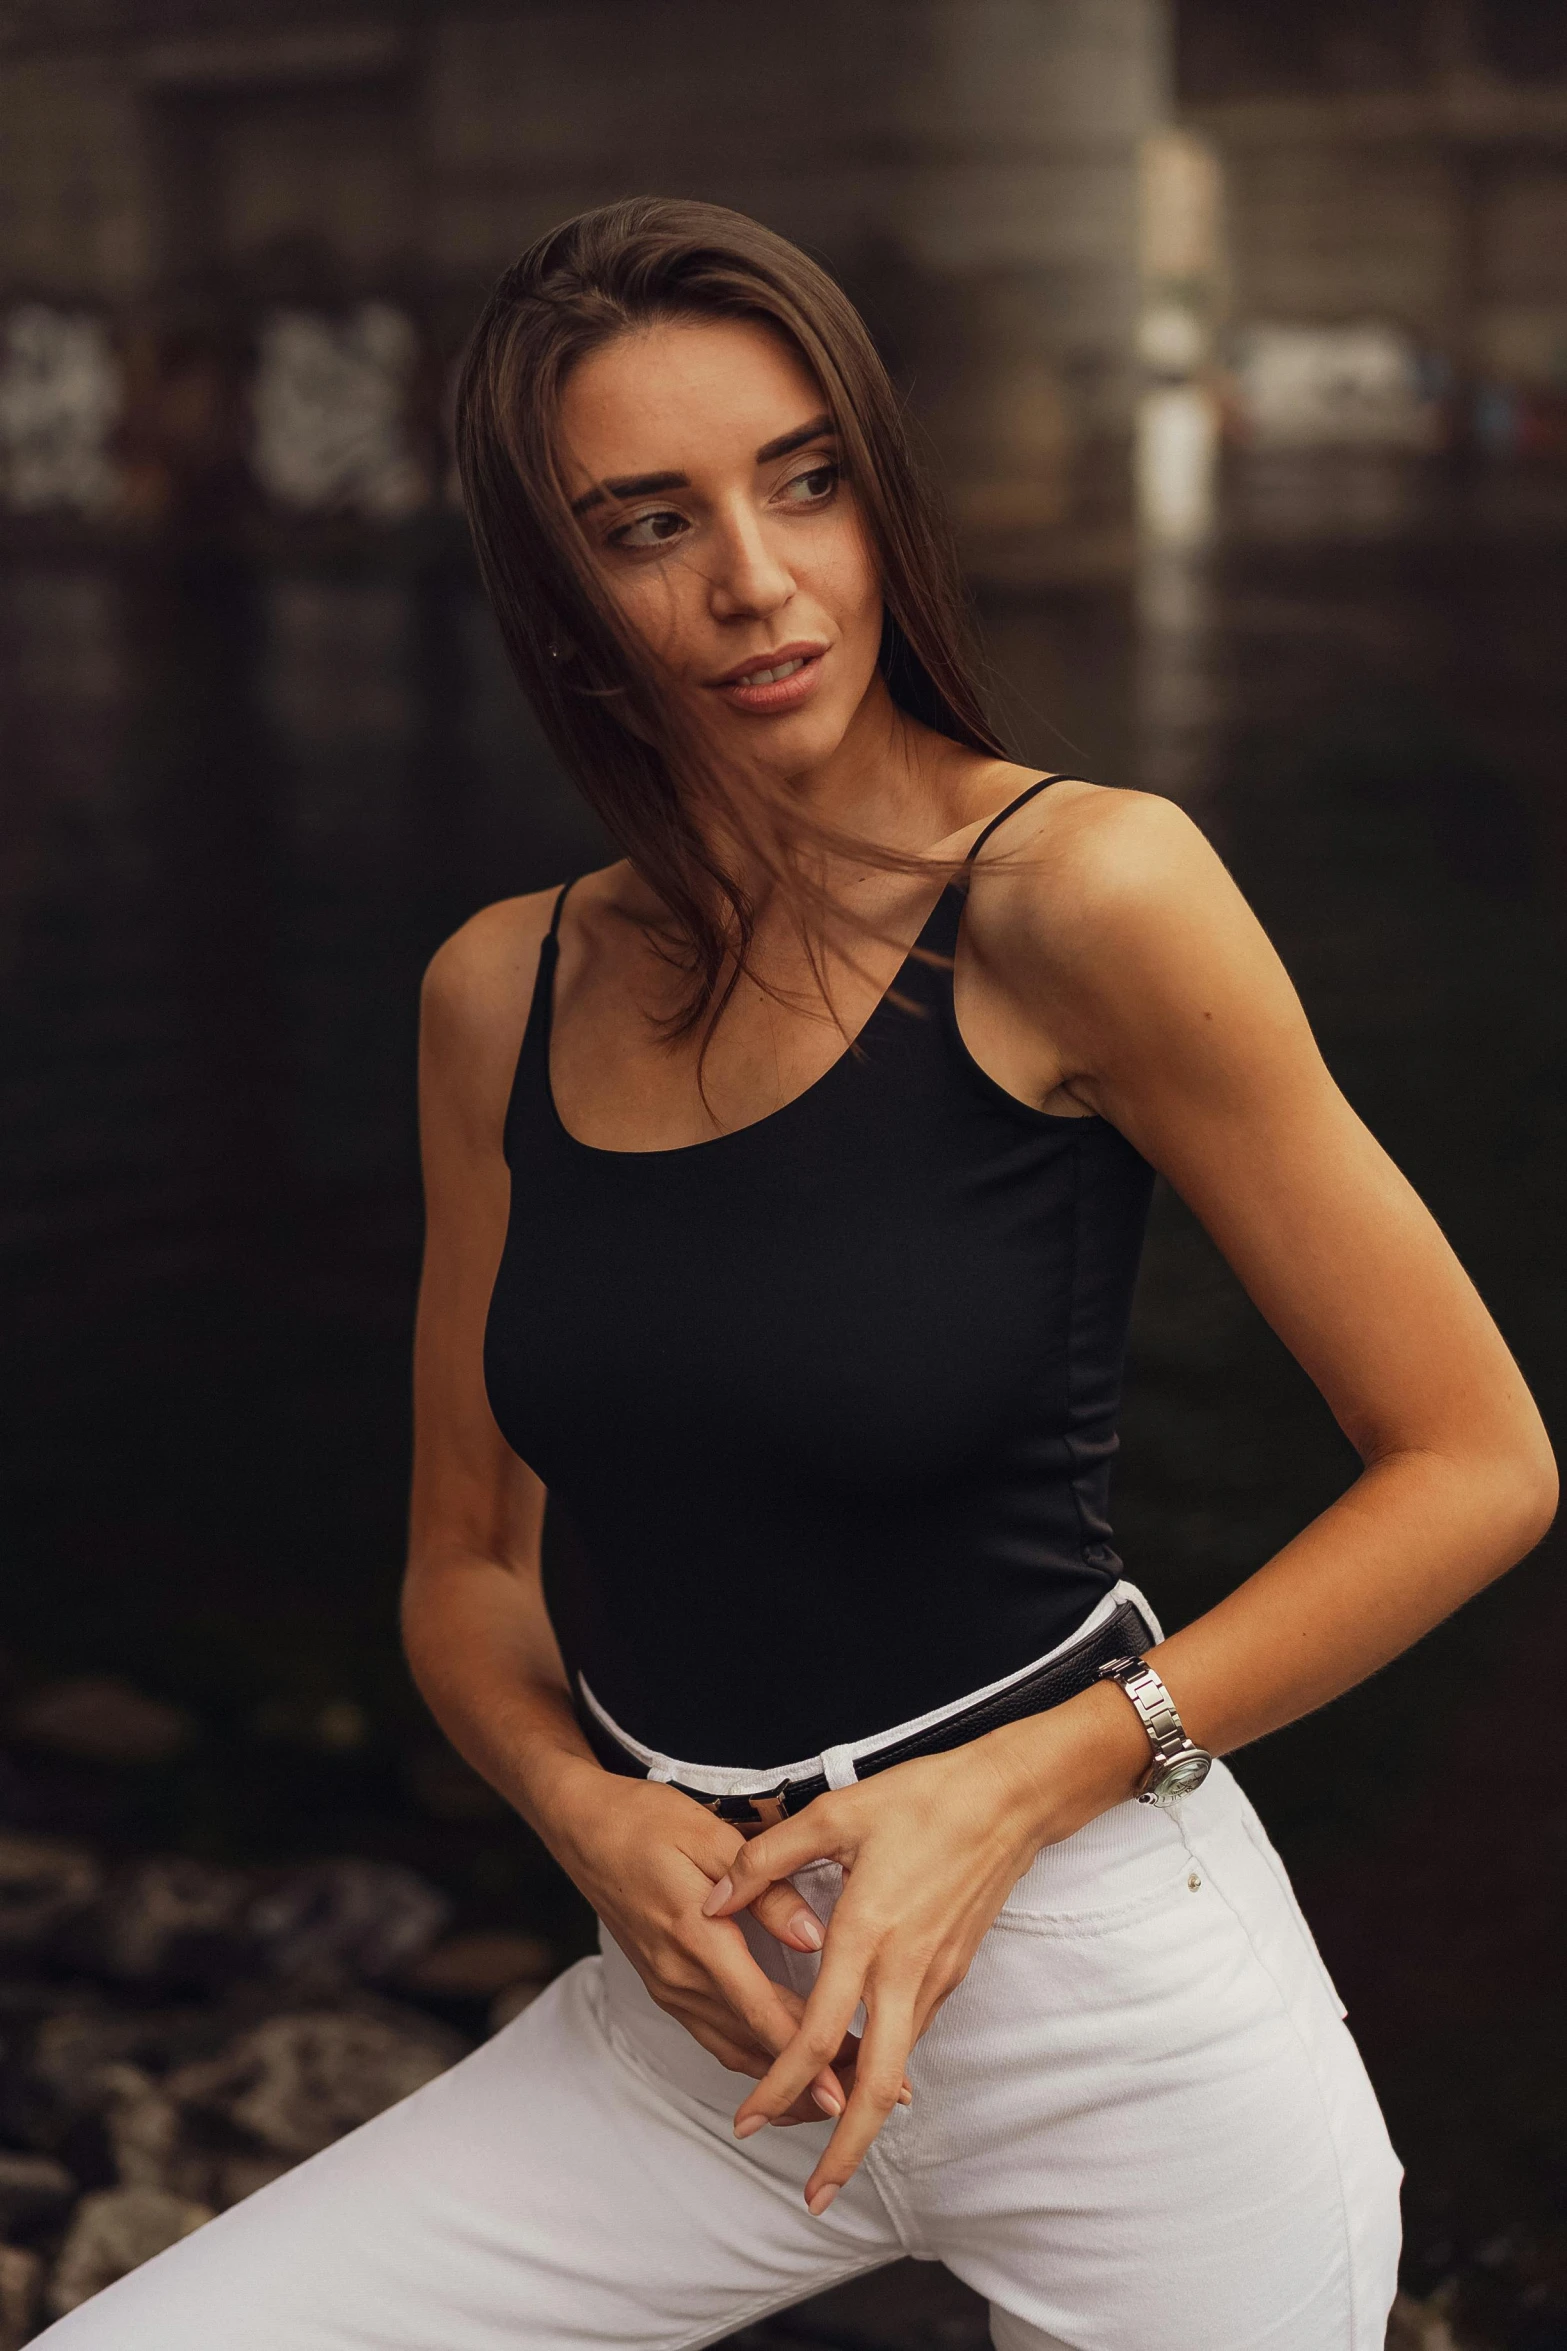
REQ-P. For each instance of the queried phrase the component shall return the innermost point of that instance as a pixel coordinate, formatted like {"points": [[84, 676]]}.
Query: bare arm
{"points": [[478, 1639], [1169, 1013], [1168, 999], [477, 1634]]}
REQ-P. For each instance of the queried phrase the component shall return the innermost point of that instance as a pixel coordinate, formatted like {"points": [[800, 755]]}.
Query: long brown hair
{"points": [[591, 682]]}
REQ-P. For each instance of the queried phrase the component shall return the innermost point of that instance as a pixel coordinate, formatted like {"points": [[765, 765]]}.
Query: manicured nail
{"points": [[806, 1928], [817, 2204], [827, 2102], [717, 1898], [751, 2125]]}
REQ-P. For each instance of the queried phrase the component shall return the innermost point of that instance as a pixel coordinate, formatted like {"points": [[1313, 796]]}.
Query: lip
{"points": [[786, 693]]}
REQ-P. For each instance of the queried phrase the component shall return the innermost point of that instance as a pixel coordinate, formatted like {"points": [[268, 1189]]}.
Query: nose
{"points": [[748, 578]]}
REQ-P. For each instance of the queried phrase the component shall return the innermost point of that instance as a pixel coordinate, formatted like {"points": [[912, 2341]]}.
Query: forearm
{"points": [[1415, 1536], [481, 1649]]}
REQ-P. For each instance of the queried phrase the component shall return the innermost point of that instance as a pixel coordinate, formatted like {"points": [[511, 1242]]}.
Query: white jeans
{"points": [[1140, 2124]]}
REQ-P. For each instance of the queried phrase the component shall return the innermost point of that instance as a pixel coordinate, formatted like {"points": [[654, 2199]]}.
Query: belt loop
{"points": [[838, 1767]]}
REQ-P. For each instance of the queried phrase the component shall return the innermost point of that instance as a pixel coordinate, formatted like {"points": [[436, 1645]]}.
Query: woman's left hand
{"points": [[930, 1851]]}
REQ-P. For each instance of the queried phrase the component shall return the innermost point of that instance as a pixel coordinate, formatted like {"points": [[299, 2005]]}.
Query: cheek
{"points": [[665, 606], [845, 579]]}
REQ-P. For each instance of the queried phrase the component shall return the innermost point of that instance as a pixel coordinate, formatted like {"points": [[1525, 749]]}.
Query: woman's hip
{"points": [[1142, 2113], [1142, 2103]]}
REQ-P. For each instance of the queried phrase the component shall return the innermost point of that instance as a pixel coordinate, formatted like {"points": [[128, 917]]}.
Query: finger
{"points": [[736, 2056], [846, 2061], [815, 2042], [776, 1853], [715, 2030], [781, 1910], [769, 2011], [772, 2014], [878, 2078], [828, 2094]]}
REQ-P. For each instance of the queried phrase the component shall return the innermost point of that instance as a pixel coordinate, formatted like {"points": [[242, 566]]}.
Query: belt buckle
{"points": [[767, 1810]]}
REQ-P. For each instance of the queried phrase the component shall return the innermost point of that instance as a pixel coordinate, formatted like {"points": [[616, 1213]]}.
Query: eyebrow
{"points": [[643, 485]]}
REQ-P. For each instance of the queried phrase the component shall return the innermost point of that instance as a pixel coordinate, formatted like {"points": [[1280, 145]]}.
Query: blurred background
{"points": [[1239, 336]]}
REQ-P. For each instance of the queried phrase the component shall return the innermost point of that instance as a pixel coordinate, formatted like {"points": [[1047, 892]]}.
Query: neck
{"points": [[889, 782]]}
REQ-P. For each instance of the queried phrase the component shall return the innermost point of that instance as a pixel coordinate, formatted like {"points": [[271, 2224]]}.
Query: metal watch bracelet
{"points": [[1179, 1765]]}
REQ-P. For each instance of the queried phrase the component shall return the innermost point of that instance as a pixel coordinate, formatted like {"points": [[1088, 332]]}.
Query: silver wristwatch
{"points": [[1179, 1764]]}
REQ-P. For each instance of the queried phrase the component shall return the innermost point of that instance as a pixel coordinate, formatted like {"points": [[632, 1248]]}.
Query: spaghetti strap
{"points": [[560, 899], [1039, 784]]}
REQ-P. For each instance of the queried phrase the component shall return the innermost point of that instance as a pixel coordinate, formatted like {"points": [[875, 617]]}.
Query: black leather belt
{"points": [[1125, 1634]]}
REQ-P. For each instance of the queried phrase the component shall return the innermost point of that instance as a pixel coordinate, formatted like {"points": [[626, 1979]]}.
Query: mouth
{"points": [[777, 681]]}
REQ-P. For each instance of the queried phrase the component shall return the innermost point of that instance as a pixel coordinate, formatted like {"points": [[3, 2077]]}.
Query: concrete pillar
{"points": [[1025, 123], [75, 203], [969, 166]]}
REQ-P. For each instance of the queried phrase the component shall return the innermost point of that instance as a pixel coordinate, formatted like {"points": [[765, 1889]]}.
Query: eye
{"points": [[649, 530], [814, 488]]}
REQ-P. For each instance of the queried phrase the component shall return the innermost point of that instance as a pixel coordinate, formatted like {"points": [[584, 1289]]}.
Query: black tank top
{"points": [[829, 1400]]}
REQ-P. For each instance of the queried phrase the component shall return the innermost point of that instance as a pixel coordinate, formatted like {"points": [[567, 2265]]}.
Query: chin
{"points": [[790, 745]]}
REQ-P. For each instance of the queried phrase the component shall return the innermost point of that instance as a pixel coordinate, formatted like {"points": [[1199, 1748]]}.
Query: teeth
{"points": [[770, 677]]}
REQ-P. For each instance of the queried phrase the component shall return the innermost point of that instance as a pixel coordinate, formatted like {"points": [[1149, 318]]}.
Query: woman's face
{"points": [[702, 462]]}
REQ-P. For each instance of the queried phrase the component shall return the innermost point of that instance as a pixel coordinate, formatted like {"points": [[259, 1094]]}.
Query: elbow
{"points": [[1502, 1487], [1536, 1488], [1521, 1493]]}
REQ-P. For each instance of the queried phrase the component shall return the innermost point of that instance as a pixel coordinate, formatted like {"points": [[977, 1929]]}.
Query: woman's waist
{"points": [[750, 1794], [744, 1656]]}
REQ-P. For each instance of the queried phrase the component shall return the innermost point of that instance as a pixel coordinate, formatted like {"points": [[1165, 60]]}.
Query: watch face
{"points": [[1187, 1773]]}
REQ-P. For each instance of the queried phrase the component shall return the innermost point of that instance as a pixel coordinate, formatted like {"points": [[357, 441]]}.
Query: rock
{"points": [[69, 2072], [1421, 2326], [447, 1788], [115, 2230], [341, 1726], [44, 1884], [97, 1718], [170, 1922], [511, 2002], [234, 2177], [478, 1965], [33, 2188], [21, 2282], [295, 2083], [145, 2142], [336, 1921]]}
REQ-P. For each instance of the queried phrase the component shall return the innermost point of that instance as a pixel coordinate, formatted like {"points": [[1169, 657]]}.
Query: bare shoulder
{"points": [[1115, 930], [1101, 878], [478, 977], [1095, 846], [474, 1003]]}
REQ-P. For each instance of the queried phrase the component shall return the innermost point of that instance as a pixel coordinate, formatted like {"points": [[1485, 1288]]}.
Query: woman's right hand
{"points": [[647, 1857]]}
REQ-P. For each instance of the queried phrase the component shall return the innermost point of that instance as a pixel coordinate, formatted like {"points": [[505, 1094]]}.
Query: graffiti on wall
{"points": [[331, 400], [60, 398]]}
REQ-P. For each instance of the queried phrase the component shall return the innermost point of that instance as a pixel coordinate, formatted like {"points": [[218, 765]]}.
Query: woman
{"points": [[786, 1181]]}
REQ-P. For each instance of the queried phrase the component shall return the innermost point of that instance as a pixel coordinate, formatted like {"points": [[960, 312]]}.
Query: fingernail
{"points": [[905, 2096], [806, 1928], [717, 1898], [827, 2102], [817, 2204], [750, 2126]]}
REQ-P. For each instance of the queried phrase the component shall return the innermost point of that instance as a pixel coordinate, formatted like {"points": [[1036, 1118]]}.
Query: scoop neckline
{"points": [[752, 1125], [977, 1075]]}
